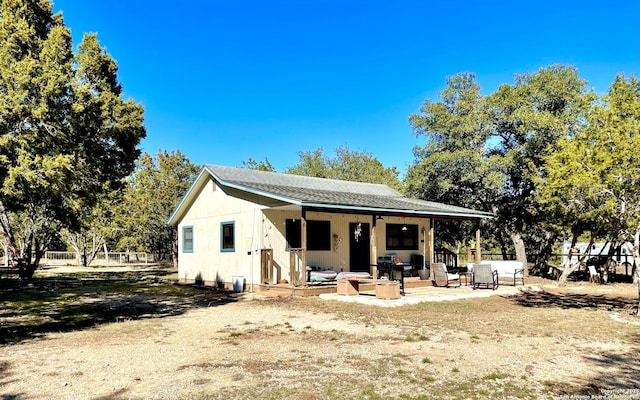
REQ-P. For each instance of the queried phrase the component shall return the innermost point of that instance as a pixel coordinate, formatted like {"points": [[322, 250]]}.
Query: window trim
{"points": [[233, 236], [415, 228], [184, 247]]}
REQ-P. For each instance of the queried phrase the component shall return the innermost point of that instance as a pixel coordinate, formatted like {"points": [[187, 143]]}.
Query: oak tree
{"points": [[485, 151], [348, 165], [265, 165], [592, 181]]}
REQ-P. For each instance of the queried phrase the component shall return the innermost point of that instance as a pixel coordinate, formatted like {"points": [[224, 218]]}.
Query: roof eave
{"points": [[423, 213], [261, 193], [177, 212], [200, 179]]}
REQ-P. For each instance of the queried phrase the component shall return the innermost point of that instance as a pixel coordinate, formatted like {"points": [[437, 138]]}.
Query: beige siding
{"points": [[405, 255], [207, 262], [337, 258]]}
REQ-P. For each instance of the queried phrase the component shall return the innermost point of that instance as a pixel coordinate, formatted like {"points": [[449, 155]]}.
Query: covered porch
{"points": [[416, 291], [372, 237]]}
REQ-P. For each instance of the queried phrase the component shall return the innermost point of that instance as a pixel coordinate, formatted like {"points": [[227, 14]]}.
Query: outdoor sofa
{"points": [[508, 271]]}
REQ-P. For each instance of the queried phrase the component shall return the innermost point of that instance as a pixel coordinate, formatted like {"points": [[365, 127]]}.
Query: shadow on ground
{"points": [[575, 300], [78, 301], [612, 374], [615, 376]]}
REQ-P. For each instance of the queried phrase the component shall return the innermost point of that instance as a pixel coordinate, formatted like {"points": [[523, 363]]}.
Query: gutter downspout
{"points": [[253, 247]]}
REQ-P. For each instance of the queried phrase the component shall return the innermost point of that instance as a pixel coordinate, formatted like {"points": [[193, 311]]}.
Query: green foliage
{"points": [[259, 165], [99, 227], [66, 134], [455, 166], [485, 151], [528, 119], [154, 190], [314, 163], [358, 166], [591, 182]]}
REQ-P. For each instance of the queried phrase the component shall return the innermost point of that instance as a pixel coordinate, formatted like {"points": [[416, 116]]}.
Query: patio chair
{"points": [[417, 263], [483, 275], [440, 275]]}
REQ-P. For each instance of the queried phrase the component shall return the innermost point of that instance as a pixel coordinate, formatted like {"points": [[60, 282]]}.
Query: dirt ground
{"points": [[578, 340]]}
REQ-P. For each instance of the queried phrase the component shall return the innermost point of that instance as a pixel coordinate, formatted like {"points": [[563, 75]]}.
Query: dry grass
{"points": [[120, 336]]}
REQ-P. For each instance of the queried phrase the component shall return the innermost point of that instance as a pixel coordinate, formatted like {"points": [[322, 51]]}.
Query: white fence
{"points": [[71, 258]]}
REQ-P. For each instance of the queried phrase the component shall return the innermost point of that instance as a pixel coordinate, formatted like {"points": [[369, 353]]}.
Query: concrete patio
{"points": [[429, 294]]}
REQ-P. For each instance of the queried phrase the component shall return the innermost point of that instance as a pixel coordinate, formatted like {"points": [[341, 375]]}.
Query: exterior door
{"points": [[359, 254]]}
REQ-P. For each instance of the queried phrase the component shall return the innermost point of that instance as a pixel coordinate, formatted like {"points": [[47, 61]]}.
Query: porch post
{"points": [[373, 248], [303, 244], [431, 246], [478, 255]]}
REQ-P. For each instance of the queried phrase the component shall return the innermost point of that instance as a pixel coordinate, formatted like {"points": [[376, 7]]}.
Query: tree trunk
{"points": [[174, 247], [96, 243], [105, 249], [38, 252], [541, 261], [521, 253], [73, 240], [503, 246], [570, 268], [637, 279], [7, 232], [636, 261], [6, 254]]}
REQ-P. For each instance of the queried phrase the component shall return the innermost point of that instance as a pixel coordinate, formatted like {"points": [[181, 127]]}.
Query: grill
{"points": [[388, 267]]}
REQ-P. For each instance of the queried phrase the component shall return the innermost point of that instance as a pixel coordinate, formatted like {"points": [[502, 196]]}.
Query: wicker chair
{"points": [[440, 275], [483, 275]]}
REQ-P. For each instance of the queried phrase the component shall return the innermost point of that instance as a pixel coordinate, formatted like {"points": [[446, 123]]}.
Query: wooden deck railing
{"points": [[297, 266], [266, 267]]}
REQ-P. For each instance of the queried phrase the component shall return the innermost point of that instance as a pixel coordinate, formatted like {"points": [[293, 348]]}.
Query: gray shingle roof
{"points": [[332, 193]]}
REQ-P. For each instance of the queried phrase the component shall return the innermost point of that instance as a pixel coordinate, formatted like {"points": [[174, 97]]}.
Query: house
{"points": [[261, 228]]}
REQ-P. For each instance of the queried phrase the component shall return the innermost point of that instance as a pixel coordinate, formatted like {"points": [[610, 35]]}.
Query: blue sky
{"points": [[225, 80]]}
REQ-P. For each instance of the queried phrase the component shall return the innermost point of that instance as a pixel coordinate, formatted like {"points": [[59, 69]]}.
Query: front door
{"points": [[359, 253]]}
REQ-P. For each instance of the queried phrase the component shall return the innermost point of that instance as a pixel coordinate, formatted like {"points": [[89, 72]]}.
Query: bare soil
{"points": [[184, 343]]}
